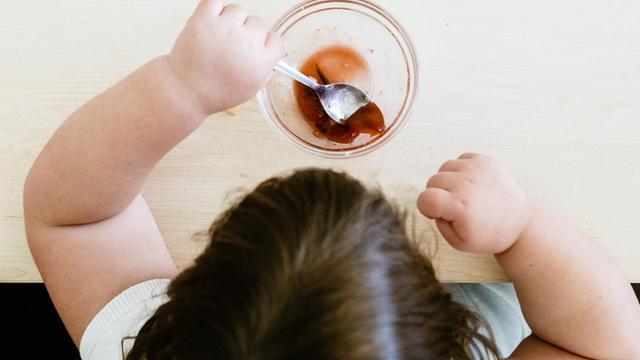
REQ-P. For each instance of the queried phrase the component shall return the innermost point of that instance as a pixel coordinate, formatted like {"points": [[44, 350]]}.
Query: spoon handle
{"points": [[291, 72]]}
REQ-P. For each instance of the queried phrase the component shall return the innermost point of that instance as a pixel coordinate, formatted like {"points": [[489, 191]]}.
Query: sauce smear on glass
{"points": [[336, 64]]}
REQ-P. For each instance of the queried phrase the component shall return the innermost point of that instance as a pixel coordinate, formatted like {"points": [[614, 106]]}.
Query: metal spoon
{"points": [[340, 101]]}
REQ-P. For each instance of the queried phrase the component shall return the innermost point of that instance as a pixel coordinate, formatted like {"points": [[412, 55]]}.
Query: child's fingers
{"points": [[444, 180], [453, 165], [234, 12], [449, 234], [255, 22], [436, 203], [275, 43], [211, 6], [470, 155], [257, 26]]}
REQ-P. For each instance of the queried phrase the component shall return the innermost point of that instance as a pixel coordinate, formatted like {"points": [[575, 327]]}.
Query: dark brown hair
{"points": [[311, 266]]}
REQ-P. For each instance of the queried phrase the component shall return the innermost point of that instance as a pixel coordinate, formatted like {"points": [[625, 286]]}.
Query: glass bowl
{"points": [[374, 34]]}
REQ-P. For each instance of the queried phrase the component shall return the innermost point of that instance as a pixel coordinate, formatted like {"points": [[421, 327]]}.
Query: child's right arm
{"points": [[573, 295], [91, 233]]}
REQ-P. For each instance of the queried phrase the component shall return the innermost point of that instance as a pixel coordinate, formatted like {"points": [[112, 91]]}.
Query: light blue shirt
{"points": [[498, 305]]}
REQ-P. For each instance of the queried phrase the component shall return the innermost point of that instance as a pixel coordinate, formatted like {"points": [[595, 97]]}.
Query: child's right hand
{"points": [[477, 205], [223, 56]]}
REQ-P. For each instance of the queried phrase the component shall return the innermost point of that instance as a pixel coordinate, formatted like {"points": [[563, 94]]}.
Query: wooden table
{"points": [[551, 88]]}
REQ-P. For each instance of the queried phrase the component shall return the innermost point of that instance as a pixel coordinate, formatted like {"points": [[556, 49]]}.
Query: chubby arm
{"points": [[96, 162], [573, 295], [90, 232], [87, 234]]}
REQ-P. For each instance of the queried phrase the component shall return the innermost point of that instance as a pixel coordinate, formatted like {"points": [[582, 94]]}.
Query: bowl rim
{"points": [[411, 60]]}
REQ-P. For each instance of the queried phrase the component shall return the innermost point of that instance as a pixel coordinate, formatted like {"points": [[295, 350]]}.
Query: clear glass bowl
{"points": [[377, 36]]}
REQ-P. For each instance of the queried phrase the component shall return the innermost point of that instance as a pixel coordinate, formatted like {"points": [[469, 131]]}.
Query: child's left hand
{"points": [[477, 204]]}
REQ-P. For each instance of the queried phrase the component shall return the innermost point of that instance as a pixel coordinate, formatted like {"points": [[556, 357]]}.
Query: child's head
{"points": [[311, 266]]}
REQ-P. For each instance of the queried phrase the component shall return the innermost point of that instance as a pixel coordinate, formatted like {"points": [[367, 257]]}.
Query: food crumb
{"points": [[589, 229], [232, 111]]}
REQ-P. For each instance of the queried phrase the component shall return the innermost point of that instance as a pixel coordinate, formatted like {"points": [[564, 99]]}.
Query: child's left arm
{"points": [[573, 295], [90, 232]]}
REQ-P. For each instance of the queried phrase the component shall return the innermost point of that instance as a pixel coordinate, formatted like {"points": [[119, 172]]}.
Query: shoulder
{"points": [[498, 305], [112, 331]]}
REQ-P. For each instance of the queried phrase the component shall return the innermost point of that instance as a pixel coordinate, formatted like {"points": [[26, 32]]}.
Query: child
{"points": [[310, 266]]}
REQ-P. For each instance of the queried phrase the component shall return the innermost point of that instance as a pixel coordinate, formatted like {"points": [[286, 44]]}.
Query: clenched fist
{"points": [[477, 205]]}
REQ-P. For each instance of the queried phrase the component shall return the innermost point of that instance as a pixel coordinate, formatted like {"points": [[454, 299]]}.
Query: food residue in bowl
{"points": [[337, 64]]}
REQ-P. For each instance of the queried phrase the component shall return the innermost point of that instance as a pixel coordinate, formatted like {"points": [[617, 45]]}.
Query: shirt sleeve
{"points": [[498, 305], [111, 333]]}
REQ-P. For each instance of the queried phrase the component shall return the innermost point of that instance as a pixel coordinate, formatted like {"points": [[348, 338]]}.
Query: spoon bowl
{"points": [[339, 101]]}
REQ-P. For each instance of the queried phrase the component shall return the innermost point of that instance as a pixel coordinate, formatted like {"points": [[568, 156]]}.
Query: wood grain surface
{"points": [[551, 88]]}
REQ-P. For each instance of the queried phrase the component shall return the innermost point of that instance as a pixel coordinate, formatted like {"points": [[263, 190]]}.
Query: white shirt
{"points": [[112, 331], [105, 336]]}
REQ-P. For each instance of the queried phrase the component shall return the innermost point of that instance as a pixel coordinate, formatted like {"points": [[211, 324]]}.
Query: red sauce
{"points": [[336, 64]]}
